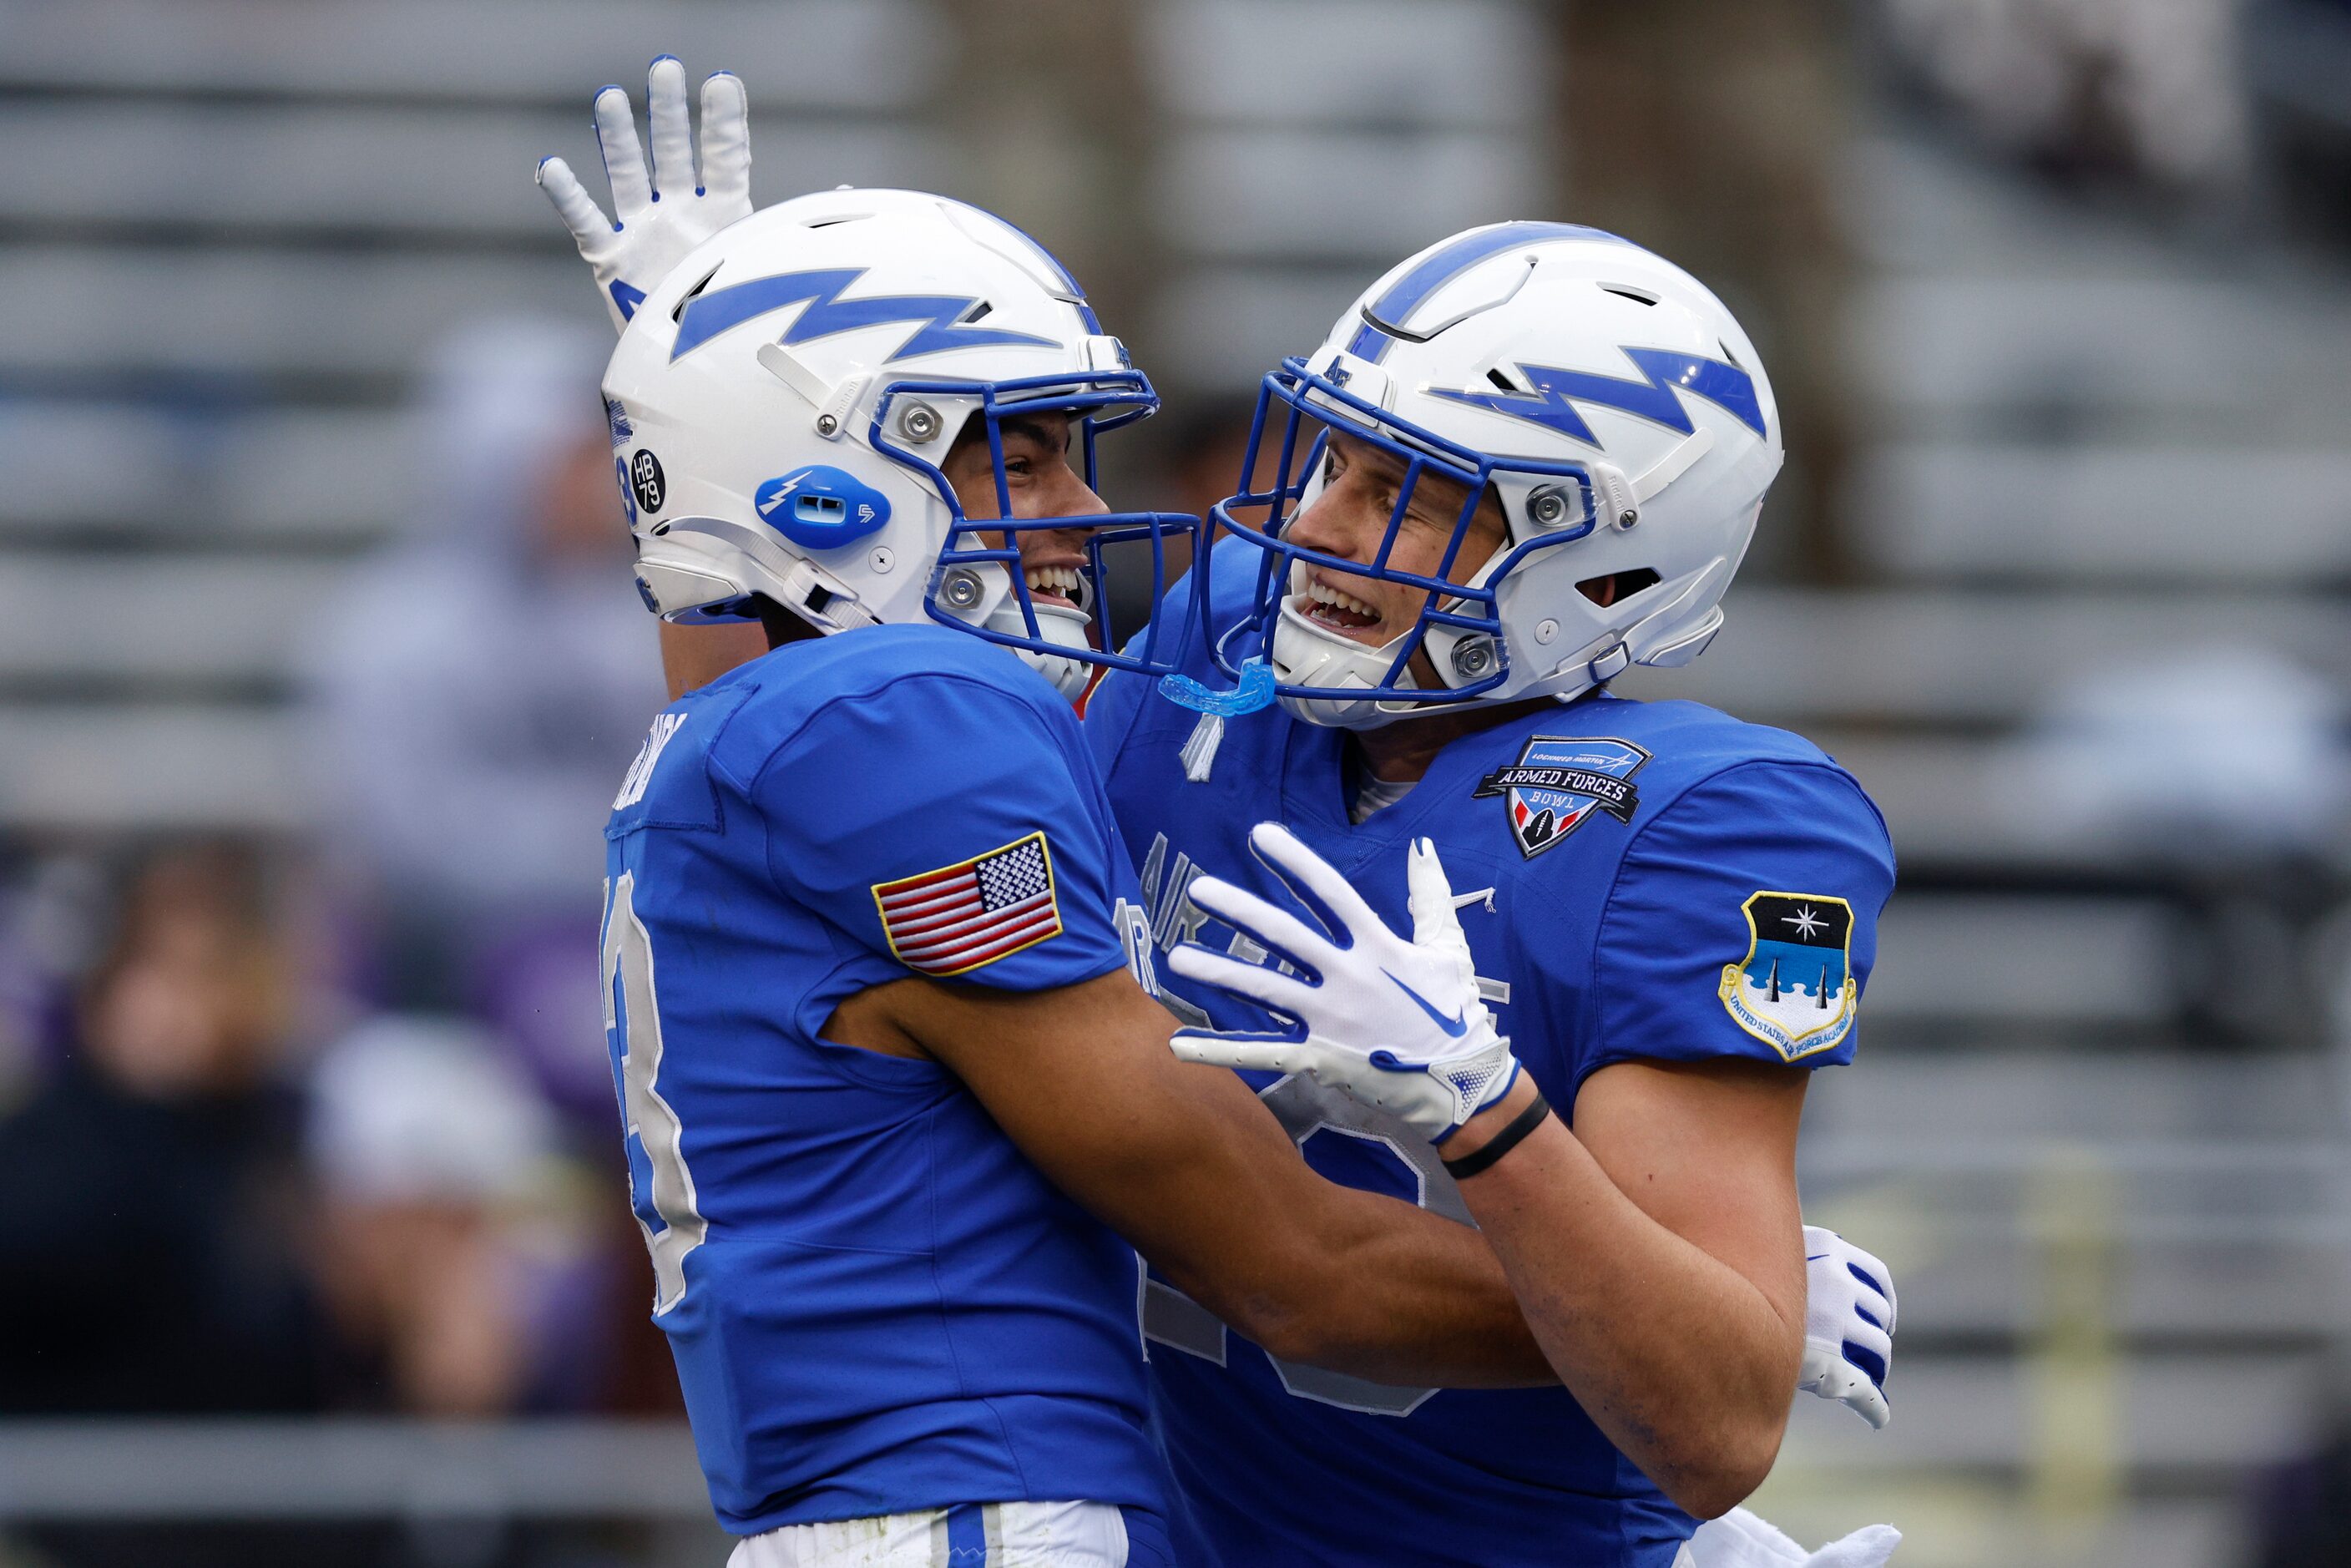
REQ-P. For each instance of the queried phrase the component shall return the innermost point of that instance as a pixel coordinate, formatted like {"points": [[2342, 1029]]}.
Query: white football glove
{"points": [[1396, 1024], [1741, 1539], [1848, 1325], [655, 223]]}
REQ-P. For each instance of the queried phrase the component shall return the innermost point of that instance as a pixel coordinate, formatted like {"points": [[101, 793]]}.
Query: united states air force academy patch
{"points": [[1794, 989]]}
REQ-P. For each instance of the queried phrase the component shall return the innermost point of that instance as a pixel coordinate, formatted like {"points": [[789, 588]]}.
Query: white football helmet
{"points": [[781, 402], [1613, 406]]}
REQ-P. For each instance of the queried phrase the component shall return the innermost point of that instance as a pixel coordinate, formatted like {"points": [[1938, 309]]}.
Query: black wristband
{"points": [[1501, 1143]]}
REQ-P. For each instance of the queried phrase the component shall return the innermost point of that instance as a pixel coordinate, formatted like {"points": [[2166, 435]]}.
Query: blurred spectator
{"points": [[480, 688], [151, 1181], [50, 907], [2145, 88], [450, 1262], [2298, 58], [2300, 1509]]}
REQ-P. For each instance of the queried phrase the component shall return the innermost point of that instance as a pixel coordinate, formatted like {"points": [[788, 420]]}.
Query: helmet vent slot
{"points": [[979, 310], [1626, 291], [1500, 379], [678, 313], [1728, 352], [836, 218]]}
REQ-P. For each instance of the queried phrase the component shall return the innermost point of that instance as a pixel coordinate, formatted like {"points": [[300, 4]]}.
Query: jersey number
{"points": [[661, 1190], [1307, 1111]]}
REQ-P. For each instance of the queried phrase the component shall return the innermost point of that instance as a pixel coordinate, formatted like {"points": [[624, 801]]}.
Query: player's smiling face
{"points": [[1350, 517], [1043, 484]]}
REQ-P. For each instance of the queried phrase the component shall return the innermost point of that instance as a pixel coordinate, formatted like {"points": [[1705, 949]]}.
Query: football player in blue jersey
{"points": [[877, 980], [1527, 459]]}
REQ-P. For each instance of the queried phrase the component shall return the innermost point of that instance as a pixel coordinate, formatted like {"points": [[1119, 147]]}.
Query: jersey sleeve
{"points": [[1743, 921], [952, 829]]}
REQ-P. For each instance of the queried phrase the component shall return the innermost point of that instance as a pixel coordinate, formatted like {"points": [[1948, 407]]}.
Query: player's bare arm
{"points": [[1186, 1163], [1656, 1251]]}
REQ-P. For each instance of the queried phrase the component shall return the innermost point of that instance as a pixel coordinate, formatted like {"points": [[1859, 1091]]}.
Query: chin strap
{"points": [[1254, 691]]}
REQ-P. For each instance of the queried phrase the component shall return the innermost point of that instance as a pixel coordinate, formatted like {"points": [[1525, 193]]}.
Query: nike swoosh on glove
{"points": [[656, 221], [1395, 1023]]}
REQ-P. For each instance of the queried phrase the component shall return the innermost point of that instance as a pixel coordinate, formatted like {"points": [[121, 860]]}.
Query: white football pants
{"points": [[976, 1535]]}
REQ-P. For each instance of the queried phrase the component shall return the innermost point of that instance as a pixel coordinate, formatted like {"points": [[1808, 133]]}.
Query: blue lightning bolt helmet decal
{"points": [[1655, 398], [708, 315]]}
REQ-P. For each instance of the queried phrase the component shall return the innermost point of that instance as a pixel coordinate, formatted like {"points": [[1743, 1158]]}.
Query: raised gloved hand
{"points": [[1848, 1325], [1397, 1024], [654, 222]]}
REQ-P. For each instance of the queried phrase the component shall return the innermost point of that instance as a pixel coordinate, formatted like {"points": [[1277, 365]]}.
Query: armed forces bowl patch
{"points": [[1557, 782], [1794, 989], [975, 911]]}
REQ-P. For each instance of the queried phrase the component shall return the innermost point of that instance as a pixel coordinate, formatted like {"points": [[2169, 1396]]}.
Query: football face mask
{"points": [[786, 407], [1585, 419], [1042, 584], [1382, 541]]}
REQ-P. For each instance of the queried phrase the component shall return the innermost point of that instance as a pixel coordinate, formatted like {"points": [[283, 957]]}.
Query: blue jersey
{"points": [[1639, 882], [877, 1304]]}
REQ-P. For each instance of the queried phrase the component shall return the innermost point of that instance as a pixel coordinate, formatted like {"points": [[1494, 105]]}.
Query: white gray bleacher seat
{"points": [[1990, 958], [341, 1467], [70, 309], [1272, 197], [2210, 1417], [1836, 667], [134, 767], [1928, 1100], [324, 476], [159, 619], [2202, 517], [461, 170], [853, 56], [2198, 358], [1366, 62], [1310, 193], [2182, 1210], [198, 192], [1931, 656], [2195, 1291]]}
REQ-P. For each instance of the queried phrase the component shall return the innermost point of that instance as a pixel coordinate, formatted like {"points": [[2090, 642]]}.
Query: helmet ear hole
{"points": [[1617, 585]]}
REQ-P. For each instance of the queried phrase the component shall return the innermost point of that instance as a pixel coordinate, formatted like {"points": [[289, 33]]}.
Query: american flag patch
{"points": [[975, 911]]}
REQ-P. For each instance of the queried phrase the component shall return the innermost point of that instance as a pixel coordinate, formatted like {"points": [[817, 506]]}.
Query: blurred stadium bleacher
{"points": [[2099, 1126]]}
